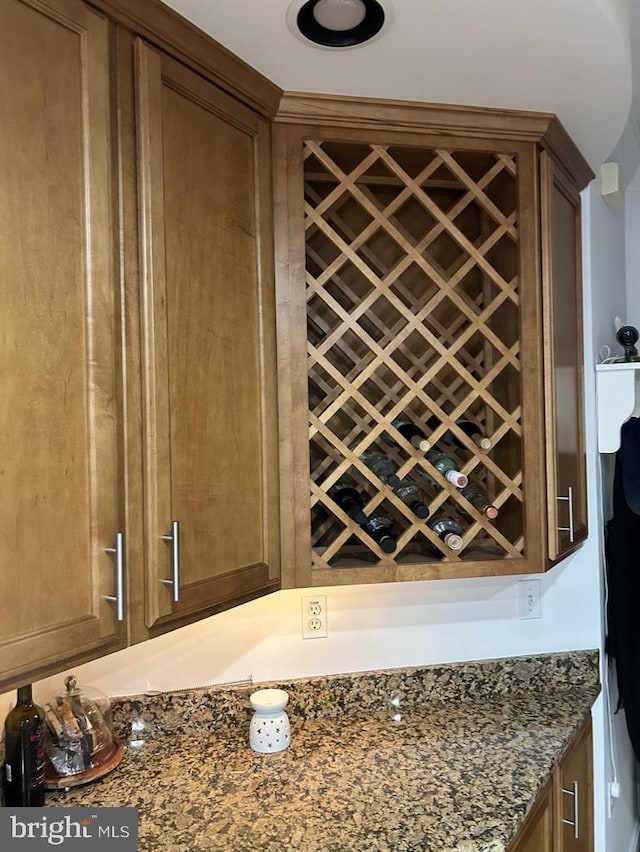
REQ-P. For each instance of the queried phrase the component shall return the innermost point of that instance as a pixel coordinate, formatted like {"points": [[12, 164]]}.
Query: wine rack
{"points": [[413, 312]]}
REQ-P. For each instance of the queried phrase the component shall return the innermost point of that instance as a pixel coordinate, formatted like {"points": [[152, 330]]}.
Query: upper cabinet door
{"points": [[58, 474], [208, 324], [562, 306]]}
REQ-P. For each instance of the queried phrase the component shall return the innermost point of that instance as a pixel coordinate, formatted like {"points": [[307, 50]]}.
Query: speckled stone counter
{"points": [[457, 771]]}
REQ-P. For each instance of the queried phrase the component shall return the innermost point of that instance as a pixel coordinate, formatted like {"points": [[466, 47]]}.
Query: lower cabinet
{"points": [[562, 820], [573, 797], [536, 834]]}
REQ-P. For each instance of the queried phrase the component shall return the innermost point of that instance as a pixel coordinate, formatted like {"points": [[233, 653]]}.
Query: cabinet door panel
{"points": [[208, 347], [574, 797], [567, 501], [537, 833], [58, 487]]}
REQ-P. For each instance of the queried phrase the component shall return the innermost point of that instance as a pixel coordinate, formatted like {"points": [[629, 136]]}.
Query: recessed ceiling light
{"points": [[338, 23], [339, 15]]}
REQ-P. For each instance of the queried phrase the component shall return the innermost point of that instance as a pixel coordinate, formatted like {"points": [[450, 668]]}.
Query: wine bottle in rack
{"points": [[431, 485], [381, 530], [382, 466], [474, 432], [445, 465], [448, 530], [409, 492], [477, 496], [379, 527], [411, 495], [349, 501], [468, 427], [414, 434]]}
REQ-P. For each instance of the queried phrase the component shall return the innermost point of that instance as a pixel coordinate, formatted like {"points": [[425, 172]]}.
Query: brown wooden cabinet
{"points": [[60, 493], [138, 336], [410, 246], [562, 819], [564, 405], [536, 835], [210, 463], [573, 797]]}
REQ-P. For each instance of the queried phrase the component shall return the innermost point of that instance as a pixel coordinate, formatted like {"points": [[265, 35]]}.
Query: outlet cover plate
{"points": [[530, 599], [314, 617]]}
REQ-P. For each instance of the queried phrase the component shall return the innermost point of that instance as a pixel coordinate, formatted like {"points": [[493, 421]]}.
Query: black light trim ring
{"points": [[370, 26]]}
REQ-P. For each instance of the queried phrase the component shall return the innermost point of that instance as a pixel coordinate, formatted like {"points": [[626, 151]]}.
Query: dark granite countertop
{"points": [[457, 772]]}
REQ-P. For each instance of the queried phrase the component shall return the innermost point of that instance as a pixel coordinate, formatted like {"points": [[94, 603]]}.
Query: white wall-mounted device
{"points": [[618, 398], [611, 187]]}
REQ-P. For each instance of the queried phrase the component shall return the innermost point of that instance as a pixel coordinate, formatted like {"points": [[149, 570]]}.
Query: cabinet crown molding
{"points": [[168, 30], [443, 119]]}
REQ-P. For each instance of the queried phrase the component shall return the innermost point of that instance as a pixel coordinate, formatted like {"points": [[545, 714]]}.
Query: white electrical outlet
{"points": [[529, 599], [314, 617]]}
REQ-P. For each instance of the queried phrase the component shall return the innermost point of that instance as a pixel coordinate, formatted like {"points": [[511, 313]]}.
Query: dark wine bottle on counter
{"points": [[412, 496], [382, 466], [24, 753], [447, 467], [448, 531], [381, 529], [413, 434], [349, 501], [477, 496]]}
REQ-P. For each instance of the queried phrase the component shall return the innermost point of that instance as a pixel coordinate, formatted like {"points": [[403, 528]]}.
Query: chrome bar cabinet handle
{"points": [[574, 821], [569, 499], [118, 598], [174, 539]]}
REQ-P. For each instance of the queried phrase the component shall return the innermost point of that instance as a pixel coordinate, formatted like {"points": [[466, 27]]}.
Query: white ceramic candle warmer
{"points": [[269, 728]]}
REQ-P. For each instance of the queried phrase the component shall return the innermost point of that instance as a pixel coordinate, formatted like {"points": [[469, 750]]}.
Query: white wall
{"points": [[632, 226], [369, 628]]}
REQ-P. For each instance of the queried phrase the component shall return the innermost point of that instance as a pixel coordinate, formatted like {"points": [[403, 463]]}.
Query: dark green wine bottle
{"points": [[24, 753], [349, 501], [381, 529]]}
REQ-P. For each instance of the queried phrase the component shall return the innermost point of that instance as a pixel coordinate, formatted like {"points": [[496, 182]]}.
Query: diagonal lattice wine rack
{"points": [[412, 313]]}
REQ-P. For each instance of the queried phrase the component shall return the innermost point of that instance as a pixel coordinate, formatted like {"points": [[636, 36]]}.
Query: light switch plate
{"points": [[530, 599]]}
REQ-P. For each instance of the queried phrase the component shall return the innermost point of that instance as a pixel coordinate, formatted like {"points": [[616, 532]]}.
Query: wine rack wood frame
{"points": [[408, 276]]}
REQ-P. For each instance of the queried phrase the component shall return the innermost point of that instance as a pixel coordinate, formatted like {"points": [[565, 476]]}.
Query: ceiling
{"points": [[571, 57]]}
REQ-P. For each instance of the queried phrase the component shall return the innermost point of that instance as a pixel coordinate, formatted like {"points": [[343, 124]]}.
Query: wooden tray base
{"points": [[62, 782]]}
